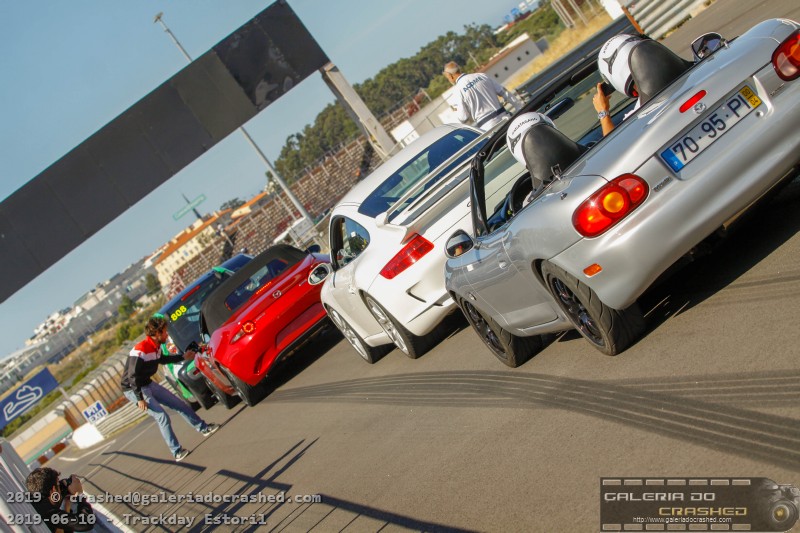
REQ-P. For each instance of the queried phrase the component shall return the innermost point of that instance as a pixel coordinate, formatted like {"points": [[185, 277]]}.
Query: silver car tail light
{"points": [[786, 58], [609, 204]]}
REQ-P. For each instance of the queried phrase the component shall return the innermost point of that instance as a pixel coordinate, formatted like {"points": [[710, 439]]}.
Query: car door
{"points": [[349, 240], [503, 288]]}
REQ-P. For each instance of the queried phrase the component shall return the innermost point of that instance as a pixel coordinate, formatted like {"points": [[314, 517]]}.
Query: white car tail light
{"points": [[412, 252]]}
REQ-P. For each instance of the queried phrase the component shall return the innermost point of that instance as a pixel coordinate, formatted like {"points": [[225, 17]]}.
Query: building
{"points": [[513, 57], [185, 246]]}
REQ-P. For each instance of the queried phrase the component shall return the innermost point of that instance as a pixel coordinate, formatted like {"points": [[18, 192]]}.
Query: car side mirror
{"points": [[707, 44], [314, 249], [458, 243], [319, 274]]}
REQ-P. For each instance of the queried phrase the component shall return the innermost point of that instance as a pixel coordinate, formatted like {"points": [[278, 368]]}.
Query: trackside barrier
{"points": [[13, 472], [658, 17]]}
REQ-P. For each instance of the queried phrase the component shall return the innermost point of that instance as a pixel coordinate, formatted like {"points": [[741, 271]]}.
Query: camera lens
{"points": [[783, 513]]}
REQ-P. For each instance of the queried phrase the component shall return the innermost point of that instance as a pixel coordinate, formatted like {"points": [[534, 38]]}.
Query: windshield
{"points": [[183, 313], [418, 168]]}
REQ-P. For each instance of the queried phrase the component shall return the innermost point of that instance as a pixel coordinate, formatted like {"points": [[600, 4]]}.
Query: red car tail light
{"points": [[412, 252], [786, 58], [246, 329], [610, 204]]}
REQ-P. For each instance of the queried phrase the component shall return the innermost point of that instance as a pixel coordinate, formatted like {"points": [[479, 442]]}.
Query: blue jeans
{"points": [[157, 397]]}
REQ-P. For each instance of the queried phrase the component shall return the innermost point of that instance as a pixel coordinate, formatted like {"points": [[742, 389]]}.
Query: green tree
{"points": [[151, 283], [126, 307], [123, 332]]}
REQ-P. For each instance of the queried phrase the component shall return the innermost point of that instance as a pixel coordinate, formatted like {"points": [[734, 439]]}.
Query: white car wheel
{"points": [[368, 353], [408, 343], [386, 324]]}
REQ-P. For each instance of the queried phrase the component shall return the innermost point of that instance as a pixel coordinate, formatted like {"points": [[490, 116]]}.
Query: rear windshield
{"points": [[418, 168], [183, 313], [245, 284], [258, 279]]}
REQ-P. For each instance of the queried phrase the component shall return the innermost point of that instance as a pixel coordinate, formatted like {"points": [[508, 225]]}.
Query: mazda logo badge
{"points": [[699, 108], [277, 294]]}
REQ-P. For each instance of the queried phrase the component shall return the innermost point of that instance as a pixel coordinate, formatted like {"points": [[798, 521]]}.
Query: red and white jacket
{"points": [[142, 363]]}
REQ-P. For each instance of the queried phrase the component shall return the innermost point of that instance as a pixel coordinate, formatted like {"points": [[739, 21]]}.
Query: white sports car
{"points": [[386, 239]]}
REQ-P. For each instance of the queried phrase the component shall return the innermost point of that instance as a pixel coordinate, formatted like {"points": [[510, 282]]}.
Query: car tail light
{"points": [[412, 252], [246, 329], [610, 204], [786, 58]]}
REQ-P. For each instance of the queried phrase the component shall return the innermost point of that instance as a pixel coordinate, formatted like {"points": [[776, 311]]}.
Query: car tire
{"points": [[510, 349], [223, 398], [206, 402], [368, 353], [249, 394], [609, 330], [405, 341]]}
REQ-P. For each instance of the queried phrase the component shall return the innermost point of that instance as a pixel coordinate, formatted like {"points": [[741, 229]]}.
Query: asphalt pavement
{"points": [[455, 441]]}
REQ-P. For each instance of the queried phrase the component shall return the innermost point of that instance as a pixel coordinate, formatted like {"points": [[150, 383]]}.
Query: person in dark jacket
{"points": [[138, 387], [59, 503]]}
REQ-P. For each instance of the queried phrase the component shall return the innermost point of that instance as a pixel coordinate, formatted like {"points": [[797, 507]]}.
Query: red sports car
{"points": [[257, 317]]}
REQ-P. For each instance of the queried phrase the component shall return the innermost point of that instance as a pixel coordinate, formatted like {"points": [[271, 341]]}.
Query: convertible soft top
{"points": [[214, 311]]}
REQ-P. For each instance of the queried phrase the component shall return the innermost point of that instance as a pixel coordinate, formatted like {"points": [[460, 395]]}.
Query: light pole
{"points": [[159, 18]]}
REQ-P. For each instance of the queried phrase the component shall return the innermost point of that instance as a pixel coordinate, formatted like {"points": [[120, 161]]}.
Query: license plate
{"points": [[700, 137]]}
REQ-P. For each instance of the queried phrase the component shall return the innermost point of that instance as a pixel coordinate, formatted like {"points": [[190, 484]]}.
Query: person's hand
{"points": [[141, 404], [600, 100], [75, 486], [188, 355]]}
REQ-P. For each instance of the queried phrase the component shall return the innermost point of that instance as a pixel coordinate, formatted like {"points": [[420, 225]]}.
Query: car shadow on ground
{"points": [[756, 237], [692, 281], [304, 357]]}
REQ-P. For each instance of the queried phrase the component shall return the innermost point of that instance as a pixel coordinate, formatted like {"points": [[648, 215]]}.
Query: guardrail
{"points": [[658, 17]]}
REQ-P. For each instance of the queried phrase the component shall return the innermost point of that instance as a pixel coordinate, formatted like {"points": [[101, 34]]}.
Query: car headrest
{"points": [[544, 147], [654, 66]]}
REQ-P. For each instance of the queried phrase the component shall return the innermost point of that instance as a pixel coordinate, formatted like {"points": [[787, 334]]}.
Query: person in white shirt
{"points": [[478, 97]]}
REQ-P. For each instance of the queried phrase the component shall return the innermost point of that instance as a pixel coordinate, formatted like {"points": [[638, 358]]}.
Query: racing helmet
{"points": [[613, 61], [538, 145], [519, 127]]}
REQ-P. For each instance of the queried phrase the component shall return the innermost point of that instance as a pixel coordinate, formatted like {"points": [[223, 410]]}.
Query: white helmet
{"points": [[614, 65], [519, 127]]}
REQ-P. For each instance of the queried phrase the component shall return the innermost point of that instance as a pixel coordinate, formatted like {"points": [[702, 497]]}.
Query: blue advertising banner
{"points": [[26, 396]]}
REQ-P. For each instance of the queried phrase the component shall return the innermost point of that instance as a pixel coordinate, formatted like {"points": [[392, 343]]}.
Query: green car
{"points": [[183, 325]]}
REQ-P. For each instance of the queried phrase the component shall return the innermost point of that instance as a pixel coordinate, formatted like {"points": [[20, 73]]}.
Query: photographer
{"points": [[49, 494]]}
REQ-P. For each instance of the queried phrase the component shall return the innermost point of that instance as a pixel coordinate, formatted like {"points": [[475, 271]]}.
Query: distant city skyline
{"points": [[77, 66]]}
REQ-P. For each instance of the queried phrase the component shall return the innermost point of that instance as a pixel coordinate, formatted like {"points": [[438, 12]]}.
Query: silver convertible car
{"points": [[574, 239]]}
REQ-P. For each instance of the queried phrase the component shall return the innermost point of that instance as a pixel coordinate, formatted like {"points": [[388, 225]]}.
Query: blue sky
{"points": [[68, 68]]}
